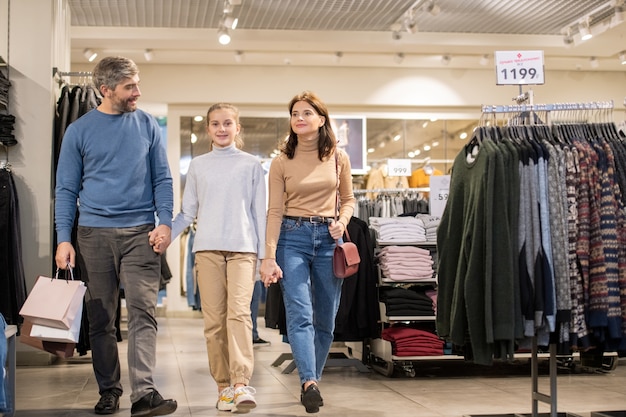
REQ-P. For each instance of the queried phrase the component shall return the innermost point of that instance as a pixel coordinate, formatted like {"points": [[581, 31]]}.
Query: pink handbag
{"points": [[346, 259]]}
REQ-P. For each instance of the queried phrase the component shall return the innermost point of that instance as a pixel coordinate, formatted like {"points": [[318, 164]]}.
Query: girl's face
{"points": [[305, 122], [222, 127]]}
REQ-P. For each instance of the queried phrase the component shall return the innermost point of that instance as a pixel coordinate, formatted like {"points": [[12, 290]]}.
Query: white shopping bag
{"points": [[54, 334]]}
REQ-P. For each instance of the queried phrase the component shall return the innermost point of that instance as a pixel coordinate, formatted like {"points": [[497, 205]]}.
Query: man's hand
{"points": [[160, 238], [65, 256]]}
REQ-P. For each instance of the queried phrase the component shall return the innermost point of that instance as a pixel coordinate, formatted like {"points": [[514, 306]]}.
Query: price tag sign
{"points": [[398, 167], [439, 190], [519, 67]]}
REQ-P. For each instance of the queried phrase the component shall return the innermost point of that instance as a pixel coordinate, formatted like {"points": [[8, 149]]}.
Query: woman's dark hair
{"points": [[327, 141]]}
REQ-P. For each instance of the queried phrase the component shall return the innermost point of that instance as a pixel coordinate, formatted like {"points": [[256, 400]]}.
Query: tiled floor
{"points": [[440, 388]]}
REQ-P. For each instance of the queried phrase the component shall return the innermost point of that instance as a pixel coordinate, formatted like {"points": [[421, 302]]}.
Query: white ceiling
{"points": [[311, 32]]}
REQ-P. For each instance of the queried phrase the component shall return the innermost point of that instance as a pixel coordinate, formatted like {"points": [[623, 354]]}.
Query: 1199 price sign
{"points": [[519, 67]]}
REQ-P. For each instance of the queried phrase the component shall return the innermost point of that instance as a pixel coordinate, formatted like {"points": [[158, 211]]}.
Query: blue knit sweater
{"points": [[116, 167]]}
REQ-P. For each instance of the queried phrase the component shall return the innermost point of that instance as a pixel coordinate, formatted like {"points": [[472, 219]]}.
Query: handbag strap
{"points": [[337, 197]]}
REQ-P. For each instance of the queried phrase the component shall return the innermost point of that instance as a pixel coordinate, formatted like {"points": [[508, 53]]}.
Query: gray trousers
{"points": [[115, 256]]}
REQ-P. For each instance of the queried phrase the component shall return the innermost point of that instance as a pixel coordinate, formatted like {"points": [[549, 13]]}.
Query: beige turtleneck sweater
{"points": [[305, 186]]}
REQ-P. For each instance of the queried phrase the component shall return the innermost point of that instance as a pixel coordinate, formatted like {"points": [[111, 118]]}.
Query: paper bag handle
{"points": [[71, 273]]}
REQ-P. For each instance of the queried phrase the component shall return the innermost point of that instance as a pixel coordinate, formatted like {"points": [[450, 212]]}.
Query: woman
{"points": [[301, 234], [225, 194]]}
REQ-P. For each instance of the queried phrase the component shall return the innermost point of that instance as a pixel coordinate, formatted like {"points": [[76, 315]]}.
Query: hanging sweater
{"points": [[305, 186], [225, 193]]}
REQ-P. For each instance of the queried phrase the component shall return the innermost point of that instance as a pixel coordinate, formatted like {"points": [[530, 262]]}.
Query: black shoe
{"points": [[151, 405], [260, 342], [311, 398], [109, 403]]}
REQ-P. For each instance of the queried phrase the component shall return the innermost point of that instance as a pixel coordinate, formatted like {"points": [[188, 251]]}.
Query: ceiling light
{"points": [[426, 147], [568, 40], [90, 55], [445, 59], [228, 7], [238, 56], [398, 58], [593, 61], [148, 55], [411, 26], [337, 57], [231, 22], [585, 32], [223, 37], [622, 57], [409, 22], [433, 8], [484, 60]]}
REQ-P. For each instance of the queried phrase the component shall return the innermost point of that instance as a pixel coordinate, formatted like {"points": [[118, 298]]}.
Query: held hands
{"points": [[160, 238], [270, 272], [336, 229]]}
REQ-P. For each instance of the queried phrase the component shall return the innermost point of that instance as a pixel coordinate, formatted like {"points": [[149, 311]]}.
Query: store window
{"points": [[428, 143]]}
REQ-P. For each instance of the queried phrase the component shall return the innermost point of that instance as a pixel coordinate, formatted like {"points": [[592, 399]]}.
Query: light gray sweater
{"points": [[225, 194]]}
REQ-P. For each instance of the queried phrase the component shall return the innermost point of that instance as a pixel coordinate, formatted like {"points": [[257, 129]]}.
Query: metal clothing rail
{"points": [[58, 75], [518, 108], [391, 190], [56, 72]]}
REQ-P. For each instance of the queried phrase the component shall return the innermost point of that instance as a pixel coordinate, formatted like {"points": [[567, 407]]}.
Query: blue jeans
{"points": [[115, 256], [311, 293]]}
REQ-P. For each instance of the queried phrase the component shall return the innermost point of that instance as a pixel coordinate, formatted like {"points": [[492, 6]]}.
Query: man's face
{"points": [[124, 97]]}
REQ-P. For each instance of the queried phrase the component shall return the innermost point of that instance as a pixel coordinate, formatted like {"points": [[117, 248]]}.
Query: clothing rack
{"points": [[58, 75], [538, 396], [592, 108], [392, 190]]}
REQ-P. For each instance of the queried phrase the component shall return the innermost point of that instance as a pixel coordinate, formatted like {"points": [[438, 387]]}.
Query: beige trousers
{"points": [[226, 283]]}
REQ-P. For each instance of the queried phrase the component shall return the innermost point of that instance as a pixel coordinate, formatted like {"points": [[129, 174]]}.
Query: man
{"points": [[113, 168]]}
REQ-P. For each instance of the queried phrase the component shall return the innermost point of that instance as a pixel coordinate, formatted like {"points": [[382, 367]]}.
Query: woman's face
{"points": [[305, 121], [222, 127]]}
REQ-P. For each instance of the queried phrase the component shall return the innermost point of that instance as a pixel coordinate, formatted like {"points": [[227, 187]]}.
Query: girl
{"points": [[225, 195]]}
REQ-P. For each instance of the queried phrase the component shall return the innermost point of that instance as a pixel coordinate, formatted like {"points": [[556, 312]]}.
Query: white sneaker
{"points": [[225, 400], [244, 400]]}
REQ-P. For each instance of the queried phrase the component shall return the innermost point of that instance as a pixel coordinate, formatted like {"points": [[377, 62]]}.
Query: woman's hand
{"points": [[270, 272], [336, 229]]}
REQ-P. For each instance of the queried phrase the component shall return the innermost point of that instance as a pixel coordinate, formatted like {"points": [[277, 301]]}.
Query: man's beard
{"points": [[125, 106]]}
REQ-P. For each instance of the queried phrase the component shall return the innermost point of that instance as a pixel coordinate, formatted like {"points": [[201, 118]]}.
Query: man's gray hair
{"points": [[110, 71]]}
